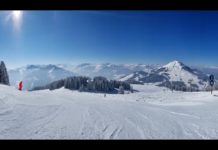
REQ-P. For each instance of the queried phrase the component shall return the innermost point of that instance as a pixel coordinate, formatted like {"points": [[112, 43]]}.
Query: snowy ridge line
{"points": [[174, 75]]}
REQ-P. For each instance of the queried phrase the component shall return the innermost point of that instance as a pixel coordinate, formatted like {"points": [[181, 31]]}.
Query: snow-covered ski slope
{"points": [[151, 113]]}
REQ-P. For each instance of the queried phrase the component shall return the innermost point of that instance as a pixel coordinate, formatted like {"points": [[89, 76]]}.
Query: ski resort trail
{"points": [[151, 113]]}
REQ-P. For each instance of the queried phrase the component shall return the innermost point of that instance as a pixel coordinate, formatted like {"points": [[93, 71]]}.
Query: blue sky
{"points": [[150, 37]]}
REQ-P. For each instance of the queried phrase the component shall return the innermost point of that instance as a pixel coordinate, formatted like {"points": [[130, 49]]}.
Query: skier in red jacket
{"points": [[20, 85]]}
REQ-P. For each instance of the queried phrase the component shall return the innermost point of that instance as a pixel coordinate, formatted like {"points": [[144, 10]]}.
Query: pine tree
{"points": [[81, 88], [4, 79], [121, 90], [131, 89]]}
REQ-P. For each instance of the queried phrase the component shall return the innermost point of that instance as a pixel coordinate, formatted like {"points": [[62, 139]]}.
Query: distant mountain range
{"points": [[208, 70], [37, 75], [174, 74], [108, 70]]}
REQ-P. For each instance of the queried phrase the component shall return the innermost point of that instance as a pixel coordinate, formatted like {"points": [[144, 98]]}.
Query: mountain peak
{"points": [[31, 66], [49, 66], [173, 64]]}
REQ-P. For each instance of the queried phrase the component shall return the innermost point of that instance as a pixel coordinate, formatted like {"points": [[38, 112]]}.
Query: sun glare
{"points": [[16, 17], [17, 14]]}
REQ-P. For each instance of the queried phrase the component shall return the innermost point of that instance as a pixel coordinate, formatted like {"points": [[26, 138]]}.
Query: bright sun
{"points": [[17, 14]]}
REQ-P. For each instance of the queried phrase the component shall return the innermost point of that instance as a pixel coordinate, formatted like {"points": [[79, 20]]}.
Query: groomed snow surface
{"points": [[151, 113]]}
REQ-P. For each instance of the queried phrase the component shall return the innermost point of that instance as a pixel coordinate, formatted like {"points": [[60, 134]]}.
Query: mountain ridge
{"points": [[37, 75], [175, 74]]}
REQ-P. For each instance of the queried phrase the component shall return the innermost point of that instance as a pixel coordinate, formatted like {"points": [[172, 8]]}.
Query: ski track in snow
{"points": [[151, 113]]}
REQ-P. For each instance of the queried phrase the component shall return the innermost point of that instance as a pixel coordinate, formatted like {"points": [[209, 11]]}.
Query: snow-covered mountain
{"points": [[108, 70], [37, 75], [174, 74], [40, 75]]}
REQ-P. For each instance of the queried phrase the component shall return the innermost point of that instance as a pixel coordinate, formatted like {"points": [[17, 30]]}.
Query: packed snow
{"points": [[151, 113]]}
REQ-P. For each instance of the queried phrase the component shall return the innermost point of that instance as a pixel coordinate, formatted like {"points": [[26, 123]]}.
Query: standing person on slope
{"points": [[20, 85]]}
